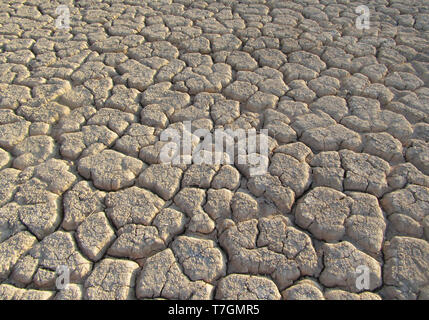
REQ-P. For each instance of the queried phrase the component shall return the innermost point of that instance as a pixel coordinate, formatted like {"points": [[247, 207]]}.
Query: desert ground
{"points": [[333, 99]]}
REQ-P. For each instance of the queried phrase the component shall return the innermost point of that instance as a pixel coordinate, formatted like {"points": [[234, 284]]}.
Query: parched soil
{"points": [[340, 212]]}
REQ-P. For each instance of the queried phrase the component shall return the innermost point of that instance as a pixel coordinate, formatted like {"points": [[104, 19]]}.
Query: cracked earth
{"points": [[81, 183]]}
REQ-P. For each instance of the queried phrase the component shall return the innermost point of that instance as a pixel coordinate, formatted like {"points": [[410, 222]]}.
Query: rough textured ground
{"points": [[82, 110]]}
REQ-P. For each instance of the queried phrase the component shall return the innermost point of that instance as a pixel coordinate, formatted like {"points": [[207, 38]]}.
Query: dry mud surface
{"points": [[81, 184]]}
